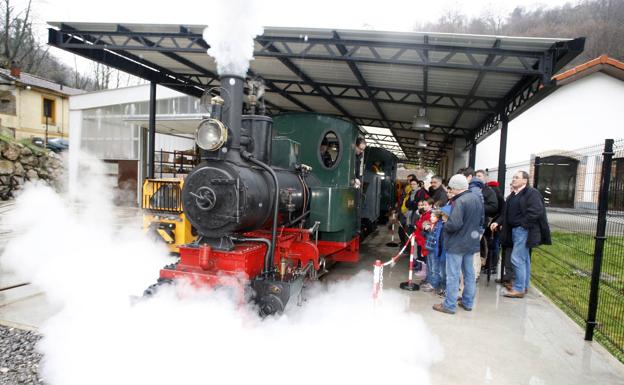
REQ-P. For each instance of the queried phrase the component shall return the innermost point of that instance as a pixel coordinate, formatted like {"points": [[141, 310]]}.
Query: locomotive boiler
{"points": [[266, 215], [234, 189]]}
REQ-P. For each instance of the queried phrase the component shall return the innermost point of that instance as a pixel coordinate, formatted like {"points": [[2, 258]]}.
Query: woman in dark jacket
{"points": [[421, 193]]}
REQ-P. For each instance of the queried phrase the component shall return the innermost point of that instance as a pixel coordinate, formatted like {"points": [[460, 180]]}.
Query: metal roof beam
{"points": [[398, 45], [387, 137], [522, 91], [119, 63], [403, 46], [426, 72], [282, 93], [476, 84], [269, 50], [358, 75], [434, 104], [128, 62], [434, 156], [521, 99], [303, 76], [204, 71], [412, 63], [529, 90], [401, 94], [171, 55], [403, 126], [304, 50]]}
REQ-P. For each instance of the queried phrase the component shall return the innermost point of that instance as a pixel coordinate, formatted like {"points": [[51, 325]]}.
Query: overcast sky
{"points": [[392, 15], [398, 15]]}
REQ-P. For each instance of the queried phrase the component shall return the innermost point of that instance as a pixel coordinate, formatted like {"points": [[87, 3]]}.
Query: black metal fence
{"points": [[583, 270]]}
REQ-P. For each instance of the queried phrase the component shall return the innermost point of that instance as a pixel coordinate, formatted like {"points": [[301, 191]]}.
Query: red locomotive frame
{"points": [[204, 266]]}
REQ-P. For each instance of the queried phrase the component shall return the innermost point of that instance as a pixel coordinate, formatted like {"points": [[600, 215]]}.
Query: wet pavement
{"points": [[502, 341]]}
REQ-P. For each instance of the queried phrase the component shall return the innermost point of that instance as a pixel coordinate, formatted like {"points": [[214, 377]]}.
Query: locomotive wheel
{"points": [[269, 305], [153, 289]]}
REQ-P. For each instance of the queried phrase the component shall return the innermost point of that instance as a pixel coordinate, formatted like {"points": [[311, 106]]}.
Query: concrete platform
{"points": [[25, 307], [502, 341]]}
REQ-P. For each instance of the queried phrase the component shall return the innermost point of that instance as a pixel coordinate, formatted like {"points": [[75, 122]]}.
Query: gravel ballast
{"points": [[19, 361]]}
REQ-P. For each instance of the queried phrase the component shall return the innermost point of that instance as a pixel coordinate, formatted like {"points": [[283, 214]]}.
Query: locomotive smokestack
{"points": [[233, 109]]}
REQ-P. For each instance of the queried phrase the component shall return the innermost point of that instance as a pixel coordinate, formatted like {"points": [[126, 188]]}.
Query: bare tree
{"points": [[19, 43], [101, 76], [604, 28], [452, 20], [599, 21]]}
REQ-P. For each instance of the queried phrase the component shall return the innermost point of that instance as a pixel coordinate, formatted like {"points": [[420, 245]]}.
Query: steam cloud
{"points": [[91, 268], [233, 26]]}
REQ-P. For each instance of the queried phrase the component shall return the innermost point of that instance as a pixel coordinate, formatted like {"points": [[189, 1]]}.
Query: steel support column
{"points": [[601, 237], [502, 154], [536, 170], [472, 155], [151, 131], [502, 170]]}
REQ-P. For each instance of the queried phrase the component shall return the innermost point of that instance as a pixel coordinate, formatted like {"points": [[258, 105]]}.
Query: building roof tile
{"points": [[602, 63], [39, 82]]}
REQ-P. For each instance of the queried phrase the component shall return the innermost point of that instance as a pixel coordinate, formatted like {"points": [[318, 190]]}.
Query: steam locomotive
{"points": [[271, 201], [266, 206]]}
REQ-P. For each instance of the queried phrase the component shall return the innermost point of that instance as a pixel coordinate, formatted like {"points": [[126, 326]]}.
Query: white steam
{"points": [[233, 26], [75, 249], [84, 261]]}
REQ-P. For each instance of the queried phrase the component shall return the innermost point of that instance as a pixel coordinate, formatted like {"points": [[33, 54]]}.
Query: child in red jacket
{"points": [[425, 216]]}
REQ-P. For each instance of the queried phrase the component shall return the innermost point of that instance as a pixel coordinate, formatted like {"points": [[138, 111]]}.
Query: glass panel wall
{"points": [[107, 133]]}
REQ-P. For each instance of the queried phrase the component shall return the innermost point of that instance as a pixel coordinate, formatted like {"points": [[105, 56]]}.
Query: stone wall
{"points": [[20, 163]]}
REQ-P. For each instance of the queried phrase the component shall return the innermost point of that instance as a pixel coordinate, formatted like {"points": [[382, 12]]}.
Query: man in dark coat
{"points": [[437, 191], [494, 239], [477, 185], [493, 201], [523, 225], [360, 146], [461, 233], [490, 200], [490, 204]]}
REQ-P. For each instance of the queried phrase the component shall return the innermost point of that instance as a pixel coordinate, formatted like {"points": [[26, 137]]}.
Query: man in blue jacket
{"points": [[462, 232]]}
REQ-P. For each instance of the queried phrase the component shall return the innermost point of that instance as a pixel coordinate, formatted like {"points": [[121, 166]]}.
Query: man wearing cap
{"points": [[462, 232]]}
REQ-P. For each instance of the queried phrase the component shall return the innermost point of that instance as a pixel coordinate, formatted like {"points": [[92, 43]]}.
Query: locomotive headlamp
{"points": [[211, 134]]}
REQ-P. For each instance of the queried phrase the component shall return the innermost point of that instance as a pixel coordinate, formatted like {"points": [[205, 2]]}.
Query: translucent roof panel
{"points": [[383, 137]]}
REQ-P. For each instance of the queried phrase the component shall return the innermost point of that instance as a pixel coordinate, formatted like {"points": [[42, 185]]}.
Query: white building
{"points": [[586, 108]]}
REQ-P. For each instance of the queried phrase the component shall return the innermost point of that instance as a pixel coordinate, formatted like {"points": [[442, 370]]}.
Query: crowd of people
{"points": [[460, 229]]}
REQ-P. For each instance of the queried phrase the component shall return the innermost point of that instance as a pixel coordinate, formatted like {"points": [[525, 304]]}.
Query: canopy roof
{"points": [[467, 83]]}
